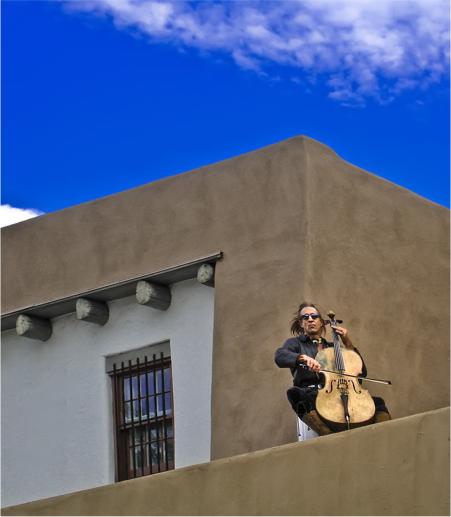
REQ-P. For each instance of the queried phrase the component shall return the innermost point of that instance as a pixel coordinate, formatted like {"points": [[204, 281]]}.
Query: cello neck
{"points": [[339, 362]]}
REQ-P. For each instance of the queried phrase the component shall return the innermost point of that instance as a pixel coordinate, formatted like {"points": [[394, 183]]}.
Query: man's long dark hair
{"points": [[296, 323]]}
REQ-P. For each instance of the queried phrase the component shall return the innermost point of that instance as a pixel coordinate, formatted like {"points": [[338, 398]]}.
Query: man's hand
{"points": [[312, 364], [343, 333]]}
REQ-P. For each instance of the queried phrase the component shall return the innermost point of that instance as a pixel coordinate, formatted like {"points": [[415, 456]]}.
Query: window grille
{"points": [[143, 414]]}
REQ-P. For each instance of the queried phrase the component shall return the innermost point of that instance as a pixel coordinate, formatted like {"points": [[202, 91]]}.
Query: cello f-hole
{"points": [[355, 388]]}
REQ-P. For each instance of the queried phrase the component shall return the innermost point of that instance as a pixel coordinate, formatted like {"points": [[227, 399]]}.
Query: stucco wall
{"points": [[57, 428], [395, 468], [294, 221]]}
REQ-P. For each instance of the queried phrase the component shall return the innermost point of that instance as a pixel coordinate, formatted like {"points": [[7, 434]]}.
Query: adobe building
{"points": [[139, 333]]}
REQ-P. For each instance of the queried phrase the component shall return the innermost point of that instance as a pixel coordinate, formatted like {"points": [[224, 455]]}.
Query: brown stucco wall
{"points": [[294, 221], [395, 468]]}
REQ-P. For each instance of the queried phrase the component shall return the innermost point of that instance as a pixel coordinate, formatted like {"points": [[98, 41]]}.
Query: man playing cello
{"points": [[298, 354]]}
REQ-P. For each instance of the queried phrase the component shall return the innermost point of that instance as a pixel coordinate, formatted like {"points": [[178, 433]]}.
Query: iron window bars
{"points": [[143, 414]]}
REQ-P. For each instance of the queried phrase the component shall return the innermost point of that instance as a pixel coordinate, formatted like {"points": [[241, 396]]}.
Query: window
{"points": [[143, 414]]}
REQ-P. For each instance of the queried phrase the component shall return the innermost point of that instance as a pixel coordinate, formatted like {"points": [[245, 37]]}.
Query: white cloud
{"points": [[11, 215], [363, 48]]}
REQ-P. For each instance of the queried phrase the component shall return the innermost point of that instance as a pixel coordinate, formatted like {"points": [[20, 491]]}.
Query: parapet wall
{"points": [[395, 468]]}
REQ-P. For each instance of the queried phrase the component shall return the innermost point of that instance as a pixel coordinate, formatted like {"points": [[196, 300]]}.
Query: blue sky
{"points": [[99, 97]]}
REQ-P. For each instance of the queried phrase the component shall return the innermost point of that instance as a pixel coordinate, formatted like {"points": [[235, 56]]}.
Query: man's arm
{"points": [[344, 334], [287, 355]]}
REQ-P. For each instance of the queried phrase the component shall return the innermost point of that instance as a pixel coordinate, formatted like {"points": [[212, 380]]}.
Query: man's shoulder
{"points": [[291, 341]]}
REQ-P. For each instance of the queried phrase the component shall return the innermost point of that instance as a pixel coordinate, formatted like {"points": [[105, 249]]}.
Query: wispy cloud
{"points": [[11, 215], [361, 48]]}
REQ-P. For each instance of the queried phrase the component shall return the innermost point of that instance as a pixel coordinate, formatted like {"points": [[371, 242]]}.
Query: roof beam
{"points": [[92, 311], [33, 327], [153, 295], [206, 275]]}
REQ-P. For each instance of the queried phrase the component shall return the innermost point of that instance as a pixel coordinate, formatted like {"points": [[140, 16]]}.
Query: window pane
{"points": [[154, 430], [138, 459], [134, 386], [127, 412], [135, 405], [150, 381], [145, 450], [159, 405], [126, 388], [168, 403], [132, 407], [133, 382], [145, 407], [151, 402], [162, 452], [139, 436], [167, 379], [142, 382], [154, 451], [158, 373]]}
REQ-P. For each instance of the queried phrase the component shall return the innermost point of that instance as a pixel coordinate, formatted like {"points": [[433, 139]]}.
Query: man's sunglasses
{"points": [[305, 317]]}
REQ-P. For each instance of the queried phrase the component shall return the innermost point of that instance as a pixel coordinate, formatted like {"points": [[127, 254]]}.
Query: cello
{"points": [[342, 402]]}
